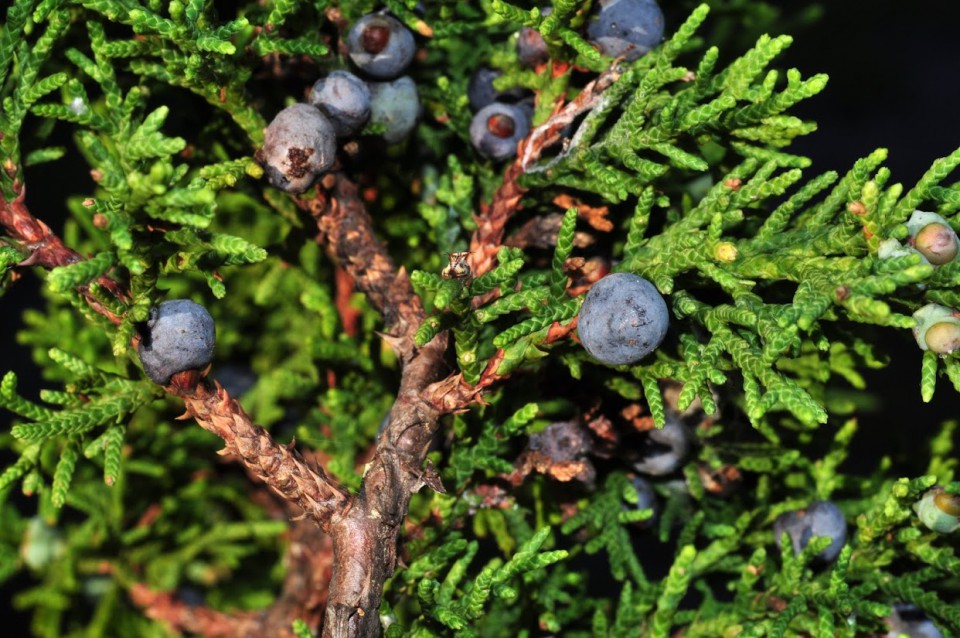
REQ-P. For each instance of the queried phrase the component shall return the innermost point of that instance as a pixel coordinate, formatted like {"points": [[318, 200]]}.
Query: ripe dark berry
{"points": [[179, 336], [531, 49], [496, 129], [821, 518], [299, 144], [562, 451], [380, 46], [345, 99], [665, 448], [646, 499], [629, 28], [909, 620], [480, 90], [623, 319], [396, 105]]}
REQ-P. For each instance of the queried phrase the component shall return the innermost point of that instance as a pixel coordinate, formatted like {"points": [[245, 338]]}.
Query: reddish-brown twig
{"points": [[46, 249], [166, 608], [488, 237], [278, 466]]}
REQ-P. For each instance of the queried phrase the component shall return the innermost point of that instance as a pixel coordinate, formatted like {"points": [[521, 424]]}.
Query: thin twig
{"points": [[48, 250], [488, 237], [200, 619], [280, 467]]}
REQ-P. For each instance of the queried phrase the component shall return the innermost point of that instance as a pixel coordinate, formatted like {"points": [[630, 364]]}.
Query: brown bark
{"points": [[308, 558], [164, 607], [488, 237], [365, 539], [48, 250], [309, 555], [281, 467]]}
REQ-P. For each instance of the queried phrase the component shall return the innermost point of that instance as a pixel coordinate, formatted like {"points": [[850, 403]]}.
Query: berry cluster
{"points": [[301, 142], [619, 28]]}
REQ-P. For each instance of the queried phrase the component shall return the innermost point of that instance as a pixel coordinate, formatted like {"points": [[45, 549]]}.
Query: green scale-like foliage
{"points": [[681, 172]]}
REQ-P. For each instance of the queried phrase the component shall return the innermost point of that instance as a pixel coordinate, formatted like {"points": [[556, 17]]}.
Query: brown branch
{"points": [[346, 230], [309, 563], [280, 467], [365, 538], [309, 559], [48, 250], [164, 607], [349, 316], [365, 529], [488, 237]]}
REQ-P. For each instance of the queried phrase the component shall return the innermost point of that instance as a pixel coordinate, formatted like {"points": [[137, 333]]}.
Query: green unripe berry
{"points": [[939, 510], [948, 503], [937, 329], [937, 242], [943, 337], [932, 237]]}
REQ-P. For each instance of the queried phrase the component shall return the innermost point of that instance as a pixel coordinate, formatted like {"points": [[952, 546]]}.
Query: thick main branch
{"points": [[365, 528], [365, 539]]}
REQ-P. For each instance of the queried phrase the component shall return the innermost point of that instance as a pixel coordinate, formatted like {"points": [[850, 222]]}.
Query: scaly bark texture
{"points": [[280, 467], [365, 538], [309, 555]]}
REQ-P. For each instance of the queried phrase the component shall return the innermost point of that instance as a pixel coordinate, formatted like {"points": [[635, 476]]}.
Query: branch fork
{"points": [[364, 527]]}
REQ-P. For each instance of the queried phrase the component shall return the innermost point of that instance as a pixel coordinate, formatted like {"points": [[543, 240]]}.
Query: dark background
{"points": [[894, 72]]}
